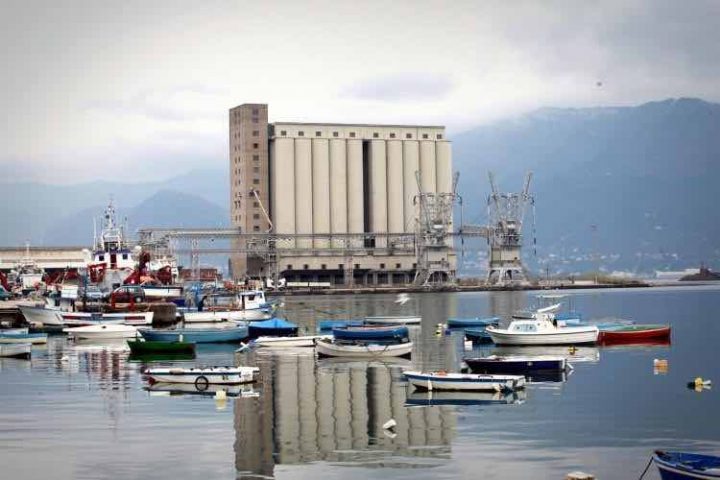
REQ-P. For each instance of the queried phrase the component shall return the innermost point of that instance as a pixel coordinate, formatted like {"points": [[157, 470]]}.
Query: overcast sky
{"points": [[139, 90]]}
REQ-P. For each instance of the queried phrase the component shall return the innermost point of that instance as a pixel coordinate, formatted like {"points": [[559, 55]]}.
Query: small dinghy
{"points": [[198, 335], [101, 332], [19, 337], [472, 322], [288, 342], [328, 325], [371, 333], [202, 377], [273, 327], [681, 465], [478, 335], [464, 381], [393, 320], [16, 350], [330, 348], [145, 347], [633, 333], [520, 365]]}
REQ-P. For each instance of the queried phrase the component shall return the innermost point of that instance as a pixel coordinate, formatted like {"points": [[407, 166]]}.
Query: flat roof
{"points": [[357, 125]]}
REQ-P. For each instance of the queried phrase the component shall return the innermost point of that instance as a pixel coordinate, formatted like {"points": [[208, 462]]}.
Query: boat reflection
{"points": [[572, 354], [629, 344], [334, 411], [425, 398], [180, 389]]}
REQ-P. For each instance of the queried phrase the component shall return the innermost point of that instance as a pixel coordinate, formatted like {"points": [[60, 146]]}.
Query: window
{"points": [[408, 135], [398, 266], [341, 266], [256, 146], [255, 120], [357, 265], [256, 133], [336, 134], [256, 158], [392, 135], [414, 265], [255, 111], [256, 216], [256, 181], [301, 134], [439, 136], [256, 169], [382, 266], [352, 134], [283, 132], [306, 267], [101, 258], [317, 134], [256, 204], [289, 267], [425, 135], [376, 135], [323, 266], [256, 228]]}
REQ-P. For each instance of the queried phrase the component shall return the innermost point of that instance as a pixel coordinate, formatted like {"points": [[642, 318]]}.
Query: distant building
{"points": [[333, 181]]}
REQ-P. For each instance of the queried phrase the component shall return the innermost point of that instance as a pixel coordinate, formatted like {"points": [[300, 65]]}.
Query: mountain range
{"points": [[616, 188]]}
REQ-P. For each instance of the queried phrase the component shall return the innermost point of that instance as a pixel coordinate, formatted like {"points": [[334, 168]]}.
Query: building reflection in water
{"points": [[333, 411], [504, 304]]}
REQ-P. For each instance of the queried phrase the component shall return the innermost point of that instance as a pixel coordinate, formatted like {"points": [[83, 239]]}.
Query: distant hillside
{"points": [[645, 177]]}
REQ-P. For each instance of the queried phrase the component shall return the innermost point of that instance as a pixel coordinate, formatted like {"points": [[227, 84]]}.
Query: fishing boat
{"points": [[225, 307], [420, 398], [542, 330], [328, 325], [286, 342], [202, 377], [80, 319], [179, 389], [16, 350], [520, 365], [111, 331], [464, 381], [272, 327], [145, 347], [22, 337], [198, 335], [472, 322], [478, 335], [371, 333], [633, 333], [393, 320], [42, 316], [331, 348], [681, 465]]}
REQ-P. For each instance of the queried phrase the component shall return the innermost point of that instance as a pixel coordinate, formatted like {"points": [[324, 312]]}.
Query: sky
{"points": [[139, 90]]}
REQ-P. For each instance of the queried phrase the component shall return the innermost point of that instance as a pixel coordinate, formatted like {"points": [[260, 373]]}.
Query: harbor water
{"points": [[82, 410]]}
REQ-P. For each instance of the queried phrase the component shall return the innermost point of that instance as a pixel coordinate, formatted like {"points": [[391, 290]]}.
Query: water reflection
{"points": [[334, 411], [429, 398]]}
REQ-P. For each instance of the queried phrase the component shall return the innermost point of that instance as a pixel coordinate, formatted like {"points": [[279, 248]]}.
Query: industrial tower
{"points": [[433, 237], [505, 216]]}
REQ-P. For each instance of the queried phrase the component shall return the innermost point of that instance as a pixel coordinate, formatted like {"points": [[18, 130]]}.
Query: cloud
{"points": [[402, 87]]}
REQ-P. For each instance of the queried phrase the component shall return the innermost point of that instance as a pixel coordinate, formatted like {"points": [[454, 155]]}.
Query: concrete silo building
{"points": [[343, 194]]}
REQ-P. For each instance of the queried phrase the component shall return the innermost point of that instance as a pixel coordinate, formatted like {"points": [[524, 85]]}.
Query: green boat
{"points": [[144, 347]]}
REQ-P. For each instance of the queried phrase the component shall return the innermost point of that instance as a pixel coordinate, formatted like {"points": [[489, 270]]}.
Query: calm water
{"points": [[80, 411]]}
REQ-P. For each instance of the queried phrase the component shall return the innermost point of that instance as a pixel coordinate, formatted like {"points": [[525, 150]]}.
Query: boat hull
{"points": [[17, 350], [684, 466], [478, 335], [371, 333], [202, 377], [472, 322], [43, 316], [90, 332], [520, 365], [577, 336], [219, 335], [328, 325], [634, 334], [464, 382], [140, 347], [287, 342], [33, 338], [331, 349], [393, 320], [81, 319], [225, 316]]}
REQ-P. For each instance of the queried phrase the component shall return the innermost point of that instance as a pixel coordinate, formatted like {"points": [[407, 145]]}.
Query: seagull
{"points": [[402, 298]]}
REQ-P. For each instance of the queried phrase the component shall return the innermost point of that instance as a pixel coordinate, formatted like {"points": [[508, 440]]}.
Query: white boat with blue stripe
{"points": [[464, 381]]}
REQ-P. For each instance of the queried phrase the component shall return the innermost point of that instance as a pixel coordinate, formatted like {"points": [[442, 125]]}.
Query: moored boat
{"points": [[80, 319], [101, 332], [198, 335], [330, 348], [542, 330], [145, 347], [634, 333], [202, 377], [393, 320], [472, 322], [371, 333], [41, 316], [272, 327], [478, 335], [33, 338], [328, 325], [682, 465], [520, 365], [282, 342], [464, 381], [16, 350]]}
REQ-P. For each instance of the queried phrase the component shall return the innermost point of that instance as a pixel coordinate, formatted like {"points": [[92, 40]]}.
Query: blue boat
{"points": [[681, 465], [197, 335], [328, 325], [370, 333], [478, 335], [518, 365], [22, 337], [472, 322], [274, 326]]}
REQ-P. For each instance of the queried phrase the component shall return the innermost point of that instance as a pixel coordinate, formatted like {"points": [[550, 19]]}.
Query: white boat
{"points": [[245, 305], [16, 350], [542, 331], [87, 318], [43, 316], [393, 320], [201, 377], [102, 331], [281, 342], [329, 348], [464, 381]]}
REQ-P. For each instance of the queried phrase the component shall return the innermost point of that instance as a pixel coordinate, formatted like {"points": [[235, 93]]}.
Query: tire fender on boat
{"points": [[202, 383]]}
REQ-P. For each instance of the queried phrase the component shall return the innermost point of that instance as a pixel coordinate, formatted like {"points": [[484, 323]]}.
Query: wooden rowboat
{"points": [[634, 333], [330, 348]]}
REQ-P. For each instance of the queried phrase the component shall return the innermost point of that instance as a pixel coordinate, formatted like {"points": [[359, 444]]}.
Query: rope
{"points": [[646, 468]]}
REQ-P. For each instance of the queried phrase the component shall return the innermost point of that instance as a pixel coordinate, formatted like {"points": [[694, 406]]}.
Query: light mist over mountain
{"points": [[620, 188]]}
